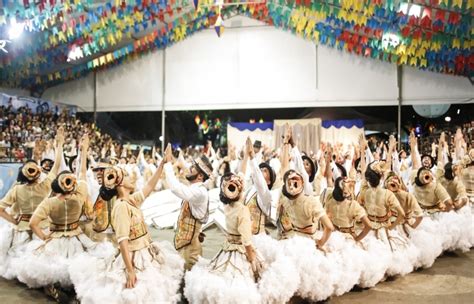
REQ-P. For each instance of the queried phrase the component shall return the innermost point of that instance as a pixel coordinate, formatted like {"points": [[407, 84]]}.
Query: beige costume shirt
{"points": [[378, 202], [303, 212], [24, 199], [129, 224], [430, 195], [343, 214], [63, 212], [238, 223], [467, 177], [409, 204]]}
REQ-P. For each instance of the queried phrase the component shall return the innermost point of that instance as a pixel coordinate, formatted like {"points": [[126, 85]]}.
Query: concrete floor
{"points": [[450, 280]]}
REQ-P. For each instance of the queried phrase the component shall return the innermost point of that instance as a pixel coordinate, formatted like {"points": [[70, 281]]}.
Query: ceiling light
{"points": [[75, 53], [447, 119], [16, 29]]}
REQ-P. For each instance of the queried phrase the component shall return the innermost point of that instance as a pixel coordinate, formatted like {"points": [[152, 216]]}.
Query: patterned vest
{"points": [[102, 211], [258, 218], [188, 226], [284, 224]]}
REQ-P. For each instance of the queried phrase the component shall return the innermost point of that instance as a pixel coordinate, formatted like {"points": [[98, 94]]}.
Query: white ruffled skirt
{"points": [[13, 245], [403, 251], [229, 277], [159, 269], [46, 262]]}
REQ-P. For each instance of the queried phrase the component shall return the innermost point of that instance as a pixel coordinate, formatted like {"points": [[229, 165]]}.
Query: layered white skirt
{"points": [[229, 277], [159, 270], [47, 262], [13, 245]]}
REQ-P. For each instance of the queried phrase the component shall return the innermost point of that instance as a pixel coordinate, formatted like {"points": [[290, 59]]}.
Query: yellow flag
{"points": [[457, 3], [401, 49], [316, 36], [470, 4], [456, 43]]}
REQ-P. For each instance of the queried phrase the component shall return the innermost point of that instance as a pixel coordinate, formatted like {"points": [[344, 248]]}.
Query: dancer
{"points": [[22, 200], [237, 266], [447, 175], [194, 208], [344, 211], [65, 240], [103, 206], [379, 203], [258, 198], [145, 271]]}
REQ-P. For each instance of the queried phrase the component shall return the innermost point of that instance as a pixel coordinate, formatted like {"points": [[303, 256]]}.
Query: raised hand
{"points": [[168, 155], [249, 148], [85, 142], [412, 140], [362, 142], [392, 143], [60, 136]]}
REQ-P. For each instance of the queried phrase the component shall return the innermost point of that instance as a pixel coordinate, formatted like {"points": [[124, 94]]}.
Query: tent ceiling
{"points": [[434, 35]]}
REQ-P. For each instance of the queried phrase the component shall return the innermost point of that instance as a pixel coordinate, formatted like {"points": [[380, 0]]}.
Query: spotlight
{"points": [[74, 54], [447, 119], [16, 29], [161, 138], [459, 111]]}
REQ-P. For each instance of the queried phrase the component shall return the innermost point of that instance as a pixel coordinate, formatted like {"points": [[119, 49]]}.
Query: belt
{"points": [[62, 227], [437, 206], [380, 219], [234, 239], [306, 230], [349, 230], [24, 217]]}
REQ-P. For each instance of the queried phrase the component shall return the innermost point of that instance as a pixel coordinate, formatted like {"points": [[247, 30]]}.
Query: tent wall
{"points": [[14, 92], [255, 66]]}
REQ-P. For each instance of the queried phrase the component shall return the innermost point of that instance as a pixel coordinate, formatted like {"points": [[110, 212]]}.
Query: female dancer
{"points": [[22, 200], [379, 203], [237, 267], [145, 271], [65, 240]]}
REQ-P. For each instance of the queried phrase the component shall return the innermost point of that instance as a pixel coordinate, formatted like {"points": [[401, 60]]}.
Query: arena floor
{"points": [[450, 280]]}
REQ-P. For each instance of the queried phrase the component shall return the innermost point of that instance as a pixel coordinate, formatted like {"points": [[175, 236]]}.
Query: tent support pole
{"points": [[399, 118], [163, 116]]}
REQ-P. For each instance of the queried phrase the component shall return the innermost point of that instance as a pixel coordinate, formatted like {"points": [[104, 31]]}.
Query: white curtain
{"points": [[238, 138], [306, 133], [341, 135]]}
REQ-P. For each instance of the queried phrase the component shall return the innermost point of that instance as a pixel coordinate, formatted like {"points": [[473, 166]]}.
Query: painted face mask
{"points": [[231, 187], [67, 182], [293, 186]]}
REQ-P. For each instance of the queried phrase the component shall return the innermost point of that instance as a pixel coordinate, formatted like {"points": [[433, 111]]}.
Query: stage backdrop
{"points": [[306, 132], [237, 133], [343, 131]]}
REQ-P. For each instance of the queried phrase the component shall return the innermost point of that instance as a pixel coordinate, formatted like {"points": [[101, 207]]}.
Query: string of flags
{"points": [[80, 36]]}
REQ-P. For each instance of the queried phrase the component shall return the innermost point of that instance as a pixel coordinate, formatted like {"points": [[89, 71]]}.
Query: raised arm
{"points": [[264, 194], [148, 188], [58, 150], [392, 145], [182, 191], [83, 163], [415, 155], [285, 152], [245, 160], [308, 188], [440, 151], [328, 159], [363, 155]]}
